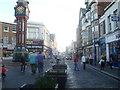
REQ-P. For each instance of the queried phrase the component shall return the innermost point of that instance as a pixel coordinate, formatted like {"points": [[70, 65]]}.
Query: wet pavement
{"points": [[88, 78]]}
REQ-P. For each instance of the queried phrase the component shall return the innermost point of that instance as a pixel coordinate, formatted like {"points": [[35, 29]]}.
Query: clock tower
{"points": [[22, 15]]}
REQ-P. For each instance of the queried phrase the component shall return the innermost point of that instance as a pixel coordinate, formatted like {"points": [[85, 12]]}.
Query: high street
{"points": [[88, 78]]}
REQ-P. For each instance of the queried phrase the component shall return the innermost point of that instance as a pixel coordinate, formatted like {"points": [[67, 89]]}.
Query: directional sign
{"points": [[115, 18]]}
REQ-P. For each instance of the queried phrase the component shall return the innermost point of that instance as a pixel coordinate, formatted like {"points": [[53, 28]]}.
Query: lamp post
{"points": [[94, 47]]}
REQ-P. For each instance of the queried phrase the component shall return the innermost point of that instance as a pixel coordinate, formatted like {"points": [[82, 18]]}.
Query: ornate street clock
{"points": [[20, 10], [27, 11], [22, 15]]}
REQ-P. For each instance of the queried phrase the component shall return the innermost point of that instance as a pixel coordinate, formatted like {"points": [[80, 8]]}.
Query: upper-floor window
{"points": [[102, 28], [13, 29], [6, 28], [109, 24], [115, 22]]}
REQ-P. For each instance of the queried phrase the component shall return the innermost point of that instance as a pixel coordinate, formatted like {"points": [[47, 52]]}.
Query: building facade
{"points": [[38, 39], [112, 38], [8, 38]]}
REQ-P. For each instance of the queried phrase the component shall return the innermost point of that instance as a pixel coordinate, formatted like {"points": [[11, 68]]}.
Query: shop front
{"points": [[8, 50], [34, 45], [47, 52], [113, 42]]}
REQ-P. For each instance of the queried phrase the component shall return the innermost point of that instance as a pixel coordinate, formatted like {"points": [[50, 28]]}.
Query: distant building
{"points": [[38, 39]]}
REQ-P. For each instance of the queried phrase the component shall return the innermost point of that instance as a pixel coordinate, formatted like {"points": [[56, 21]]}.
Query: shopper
{"points": [[23, 63], [33, 63], [111, 61], [76, 68], [84, 61], [91, 59], [4, 69], [102, 63], [40, 62]]}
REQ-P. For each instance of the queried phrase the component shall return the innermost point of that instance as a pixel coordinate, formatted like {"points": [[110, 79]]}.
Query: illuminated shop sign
{"points": [[34, 42]]}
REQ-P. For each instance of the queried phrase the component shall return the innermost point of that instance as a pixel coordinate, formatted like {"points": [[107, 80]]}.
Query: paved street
{"points": [[88, 78], [15, 78]]}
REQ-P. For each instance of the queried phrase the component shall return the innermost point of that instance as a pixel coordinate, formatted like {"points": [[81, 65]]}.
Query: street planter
{"points": [[45, 82], [42, 82], [59, 66], [60, 75]]}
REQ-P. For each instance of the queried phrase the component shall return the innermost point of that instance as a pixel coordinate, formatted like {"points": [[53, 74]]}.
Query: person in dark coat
{"points": [[111, 61], [23, 60]]}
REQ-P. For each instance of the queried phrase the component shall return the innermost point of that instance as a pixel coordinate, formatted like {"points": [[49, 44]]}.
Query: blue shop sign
{"points": [[115, 18], [102, 40]]}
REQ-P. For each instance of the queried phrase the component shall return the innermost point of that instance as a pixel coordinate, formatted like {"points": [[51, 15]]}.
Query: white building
{"points": [[113, 31]]}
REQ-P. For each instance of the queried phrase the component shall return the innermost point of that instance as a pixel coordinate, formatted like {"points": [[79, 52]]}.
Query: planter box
{"points": [[60, 75], [59, 66]]}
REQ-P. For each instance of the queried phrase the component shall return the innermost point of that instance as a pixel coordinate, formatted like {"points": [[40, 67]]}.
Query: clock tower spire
{"points": [[22, 15]]}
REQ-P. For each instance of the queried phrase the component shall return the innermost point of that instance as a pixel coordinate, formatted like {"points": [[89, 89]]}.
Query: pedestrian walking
{"points": [[76, 68], [91, 59], [4, 70], [111, 61], [102, 63], [23, 63], [57, 59], [33, 63], [84, 61], [40, 62]]}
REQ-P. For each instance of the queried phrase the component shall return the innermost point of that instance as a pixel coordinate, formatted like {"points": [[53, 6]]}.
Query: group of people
{"points": [[76, 62], [36, 60], [84, 61]]}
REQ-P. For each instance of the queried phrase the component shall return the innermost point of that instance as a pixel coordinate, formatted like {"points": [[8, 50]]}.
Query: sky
{"points": [[60, 17]]}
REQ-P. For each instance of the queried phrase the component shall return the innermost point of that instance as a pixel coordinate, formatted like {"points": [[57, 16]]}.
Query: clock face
{"points": [[27, 11], [20, 9]]}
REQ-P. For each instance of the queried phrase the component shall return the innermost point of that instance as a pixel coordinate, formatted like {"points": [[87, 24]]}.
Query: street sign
{"points": [[115, 18]]}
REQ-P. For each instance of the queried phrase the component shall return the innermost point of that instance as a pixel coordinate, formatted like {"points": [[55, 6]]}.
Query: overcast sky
{"points": [[59, 16]]}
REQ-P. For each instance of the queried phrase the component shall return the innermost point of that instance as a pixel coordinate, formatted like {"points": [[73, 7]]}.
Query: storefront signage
{"points": [[113, 37], [40, 42], [115, 18], [34, 46]]}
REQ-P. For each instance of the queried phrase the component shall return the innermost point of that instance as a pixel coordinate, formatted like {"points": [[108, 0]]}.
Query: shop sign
{"points": [[34, 42], [10, 47], [102, 41], [34, 46], [115, 18]]}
